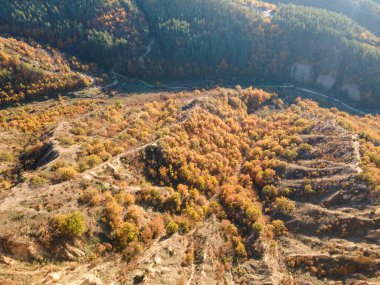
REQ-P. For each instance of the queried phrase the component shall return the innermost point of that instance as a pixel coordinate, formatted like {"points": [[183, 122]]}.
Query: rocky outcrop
{"points": [[352, 91], [301, 72], [326, 81]]}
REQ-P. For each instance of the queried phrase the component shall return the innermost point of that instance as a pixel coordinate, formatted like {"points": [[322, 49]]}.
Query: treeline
{"points": [[172, 38], [105, 31], [365, 12]]}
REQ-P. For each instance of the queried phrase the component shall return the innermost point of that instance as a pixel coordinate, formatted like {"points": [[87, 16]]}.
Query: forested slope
{"points": [[365, 12], [310, 45], [28, 72], [104, 31], [332, 47], [249, 40]]}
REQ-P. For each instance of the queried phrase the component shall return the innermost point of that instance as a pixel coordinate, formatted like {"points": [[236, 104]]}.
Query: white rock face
{"points": [[353, 91], [301, 72], [326, 81]]}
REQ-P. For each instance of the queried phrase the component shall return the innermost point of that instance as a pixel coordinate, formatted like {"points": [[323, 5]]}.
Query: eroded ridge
{"points": [[334, 228]]}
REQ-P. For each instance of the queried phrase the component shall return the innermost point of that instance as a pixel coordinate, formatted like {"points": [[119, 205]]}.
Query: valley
{"points": [[133, 85]]}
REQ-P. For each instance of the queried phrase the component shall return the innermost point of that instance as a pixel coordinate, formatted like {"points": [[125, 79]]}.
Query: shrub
{"points": [[5, 184], [124, 233], [6, 156], [105, 155], [252, 213], [257, 227], [90, 162], [146, 234], [157, 226], [97, 148], [279, 227], [305, 147], [113, 214], [301, 122], [37, 181], [117, 150], [125, 199], [130, 232], [270, 191], [66, 141], [134, 214], [91, 196], [64, 174], [58, 164], [189, 258], [269, 175], [173, 202], [240, 251], [285, 191], [284, 205], [308, 188], [70, 226], [132, 250], [171, 228], [214, 208], [184, 225], [290, 154]]}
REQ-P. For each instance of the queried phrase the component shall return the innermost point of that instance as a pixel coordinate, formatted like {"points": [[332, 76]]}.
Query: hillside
{"points": [[228, 184], [28, 72], [98, 30], [189, 142], [365, 12], [249, 40]]}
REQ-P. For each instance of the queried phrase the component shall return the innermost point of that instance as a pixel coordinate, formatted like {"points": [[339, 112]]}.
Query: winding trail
{"points": [[284, 85], [332, 98], [114, 83], [116, 76]]}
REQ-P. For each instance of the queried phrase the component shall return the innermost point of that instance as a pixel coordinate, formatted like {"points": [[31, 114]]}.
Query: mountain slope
{"points": [[106, 32], [308, 45], [214, 38], [28, 72], [365, 12]]}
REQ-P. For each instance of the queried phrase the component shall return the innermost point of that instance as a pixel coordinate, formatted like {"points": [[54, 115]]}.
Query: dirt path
{"points": [[131, 79], [357, 154], [331, 98], [284, 85]]}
